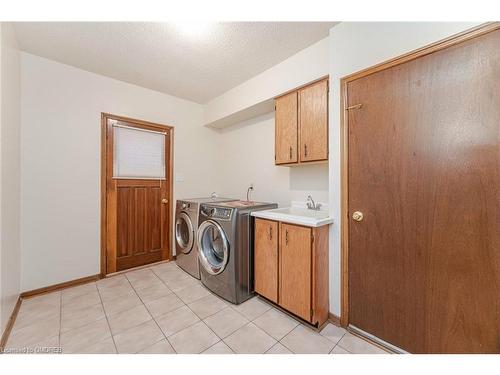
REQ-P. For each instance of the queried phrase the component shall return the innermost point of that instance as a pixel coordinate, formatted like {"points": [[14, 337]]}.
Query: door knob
{"points": [[357, 216], [164, 201]]}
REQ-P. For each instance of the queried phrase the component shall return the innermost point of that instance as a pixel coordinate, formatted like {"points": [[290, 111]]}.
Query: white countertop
{"points": [[296, 214]]}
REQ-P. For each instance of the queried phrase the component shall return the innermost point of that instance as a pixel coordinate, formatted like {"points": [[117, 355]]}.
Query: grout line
{"points": [[154, 320], [200, 319], [107, 320]]}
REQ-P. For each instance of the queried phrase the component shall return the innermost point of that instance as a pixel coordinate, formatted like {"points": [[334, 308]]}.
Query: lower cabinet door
{"points": [[266, 259], [295, 270]]}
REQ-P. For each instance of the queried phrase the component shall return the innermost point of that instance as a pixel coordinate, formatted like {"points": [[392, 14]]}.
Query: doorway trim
{"points": [[106, 154], [344, 140]]}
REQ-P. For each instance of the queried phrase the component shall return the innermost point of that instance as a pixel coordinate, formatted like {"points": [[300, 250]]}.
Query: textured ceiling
{"points": [[197, 62]]}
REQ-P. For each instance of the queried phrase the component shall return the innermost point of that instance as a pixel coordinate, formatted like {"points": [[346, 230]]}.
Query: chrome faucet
{"points": [[311, 205]]}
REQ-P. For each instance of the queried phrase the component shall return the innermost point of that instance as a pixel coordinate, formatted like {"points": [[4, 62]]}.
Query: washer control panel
{"points": [[220, 213]]}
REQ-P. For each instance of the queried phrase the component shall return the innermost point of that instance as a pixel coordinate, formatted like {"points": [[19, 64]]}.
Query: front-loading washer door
{"points": [[184, 233], [213, 247]]}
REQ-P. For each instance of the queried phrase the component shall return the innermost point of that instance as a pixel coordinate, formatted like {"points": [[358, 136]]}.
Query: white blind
{"points": [[138, 153]]}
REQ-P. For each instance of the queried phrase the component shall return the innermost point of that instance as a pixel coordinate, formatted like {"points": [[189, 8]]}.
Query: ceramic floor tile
{"points": [[34, 333], [207, 306], [79, 290], [164, 305], [122, 303], [176, 320], [355, 345], [83, 301], [250, 339], [225, 322], [339, 350], [252, 308], [161, 347], [106, 346], [113, 281], [49, 299], [278, 349], [115, 291], [333, 332], [81, 317], [129, 318], [146, 280], [276, 323], [153, 292], [192, 293], [76, 340], [138, 338], [303, 340], [219, 348], [193, 339], [164, 267], [33, 314]]}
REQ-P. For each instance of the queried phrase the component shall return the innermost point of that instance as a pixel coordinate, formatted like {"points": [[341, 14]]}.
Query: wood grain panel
{"points": [[286, 131], [424, 266], [266, 259], [295, 269], [313, 122], [320, 280]]}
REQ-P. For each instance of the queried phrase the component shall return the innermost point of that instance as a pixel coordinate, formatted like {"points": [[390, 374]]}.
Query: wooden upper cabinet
{"points": [[313, 122], [302, 125], [286, 131], [266, 259], [295, 270]]}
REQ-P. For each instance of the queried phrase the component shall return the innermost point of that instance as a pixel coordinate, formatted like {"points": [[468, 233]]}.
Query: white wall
{"points": [[256, 95], [60, 130], [353, 47], [247, 156], [10, 174]]}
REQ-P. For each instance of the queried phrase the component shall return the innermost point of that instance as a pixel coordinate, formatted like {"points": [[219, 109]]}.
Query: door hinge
{"points": [[312, 313], [355, 106], [312, 237]]}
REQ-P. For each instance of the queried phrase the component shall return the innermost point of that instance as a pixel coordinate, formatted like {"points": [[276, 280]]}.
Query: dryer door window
{"points": [[184, 233], [213, 247]]}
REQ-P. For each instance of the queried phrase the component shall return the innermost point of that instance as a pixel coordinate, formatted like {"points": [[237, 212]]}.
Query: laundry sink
{"points": [[296, 215]]}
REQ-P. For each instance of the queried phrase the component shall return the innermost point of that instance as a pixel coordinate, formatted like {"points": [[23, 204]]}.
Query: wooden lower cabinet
{"points": [[266, 259], [291, 268]]}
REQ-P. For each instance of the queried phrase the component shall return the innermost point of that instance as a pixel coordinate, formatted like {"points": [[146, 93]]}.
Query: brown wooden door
{"points": [[424, 263], [266, 259], [286, 132], [295, 270], [313, 122], [137, 209]]}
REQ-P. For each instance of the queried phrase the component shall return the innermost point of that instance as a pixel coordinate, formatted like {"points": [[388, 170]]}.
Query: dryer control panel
{"points": [[220, 213]]}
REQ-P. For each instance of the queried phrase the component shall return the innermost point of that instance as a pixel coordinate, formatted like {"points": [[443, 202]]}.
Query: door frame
{"points": [[106, 154], [344, 139]]}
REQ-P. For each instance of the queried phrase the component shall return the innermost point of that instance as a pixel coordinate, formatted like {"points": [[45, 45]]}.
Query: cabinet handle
{"points": [[305, 150], [270, 233], [290, 152], [286, 237]]}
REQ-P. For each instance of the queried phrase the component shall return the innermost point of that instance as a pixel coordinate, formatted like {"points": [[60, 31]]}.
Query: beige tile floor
{"points": [[161, 309]]}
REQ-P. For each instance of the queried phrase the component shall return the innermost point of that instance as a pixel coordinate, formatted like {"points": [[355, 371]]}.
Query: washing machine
{"points": [[225, 247], [186, 225]]}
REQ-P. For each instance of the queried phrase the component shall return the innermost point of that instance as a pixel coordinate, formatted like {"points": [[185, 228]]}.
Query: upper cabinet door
{"points": [[286, 129], [313, 122]]}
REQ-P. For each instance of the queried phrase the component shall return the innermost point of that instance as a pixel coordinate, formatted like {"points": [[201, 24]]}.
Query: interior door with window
{"points": [[138, 188]]}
